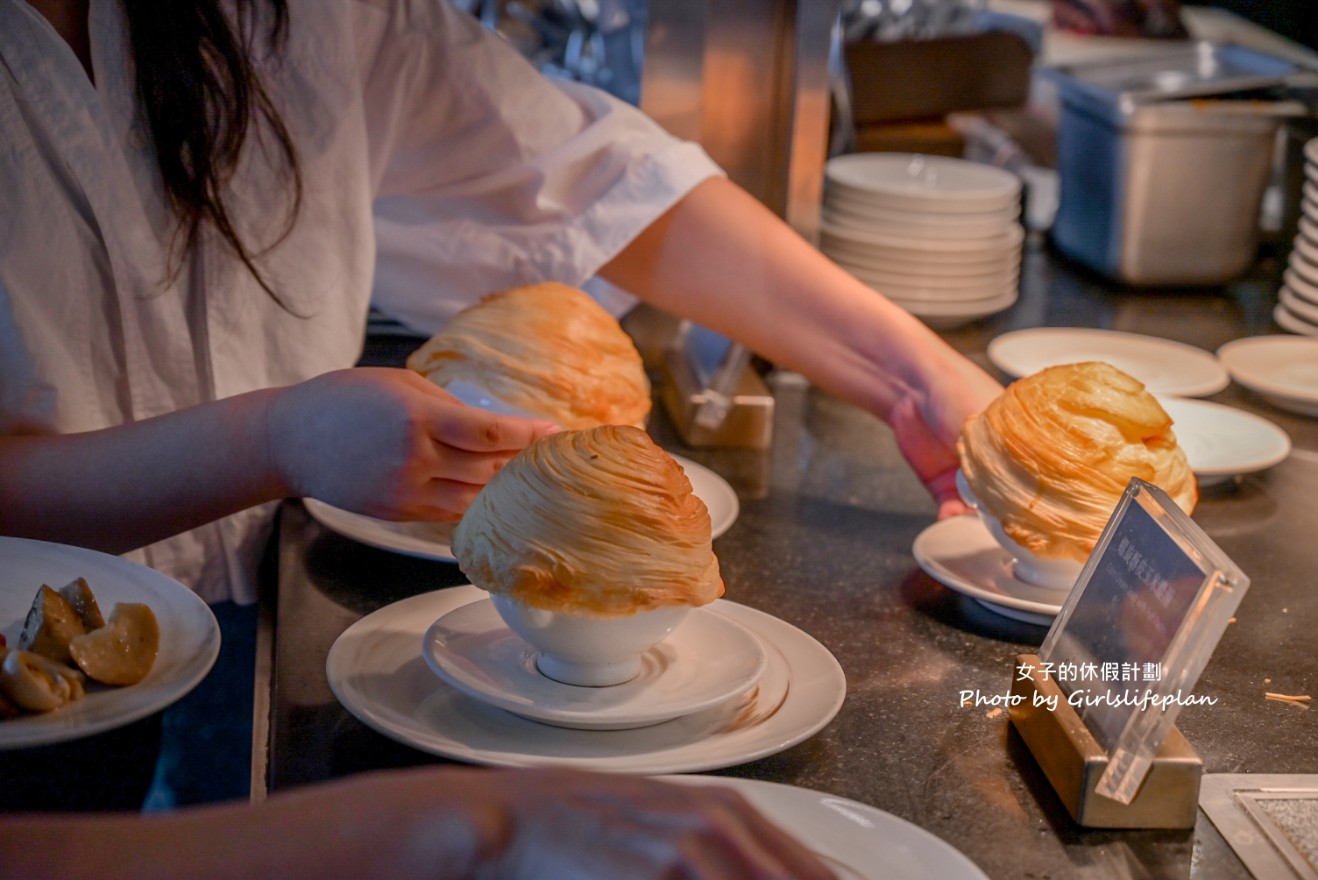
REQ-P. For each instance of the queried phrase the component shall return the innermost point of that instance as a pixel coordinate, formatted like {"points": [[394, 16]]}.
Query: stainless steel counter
{"points": [[824, 540]]}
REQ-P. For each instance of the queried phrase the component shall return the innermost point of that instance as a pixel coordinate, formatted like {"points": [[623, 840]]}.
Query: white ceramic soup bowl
{"points": [[1038, 571], [589, 650]]}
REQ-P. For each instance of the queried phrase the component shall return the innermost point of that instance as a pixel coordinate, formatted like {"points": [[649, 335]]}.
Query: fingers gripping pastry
{"points": [[546, 348], [1052, 455], [599, 521]]}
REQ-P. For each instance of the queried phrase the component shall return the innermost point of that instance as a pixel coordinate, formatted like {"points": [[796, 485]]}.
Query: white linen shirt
{"points": [[437, 166]]}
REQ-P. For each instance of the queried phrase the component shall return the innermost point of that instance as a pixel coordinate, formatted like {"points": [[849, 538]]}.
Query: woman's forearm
{"points": [[723, 260], [434, 823], [379, 441], [369, 827], [123, 487]]}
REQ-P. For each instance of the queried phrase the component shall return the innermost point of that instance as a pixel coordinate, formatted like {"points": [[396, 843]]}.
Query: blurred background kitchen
{"points": [[1158, 144], [772, 87]]}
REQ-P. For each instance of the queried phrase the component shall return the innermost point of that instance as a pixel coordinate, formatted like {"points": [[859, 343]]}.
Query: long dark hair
{"points": [[202, 98]]}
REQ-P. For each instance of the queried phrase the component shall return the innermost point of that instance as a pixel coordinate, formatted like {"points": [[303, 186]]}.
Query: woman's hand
{"points": [[927, 426], [388, 443], [435, 823], [567, 823]]}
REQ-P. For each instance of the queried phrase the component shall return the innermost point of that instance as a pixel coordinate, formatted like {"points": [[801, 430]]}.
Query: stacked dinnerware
{"points": [[1297, 306], [939, 236]]}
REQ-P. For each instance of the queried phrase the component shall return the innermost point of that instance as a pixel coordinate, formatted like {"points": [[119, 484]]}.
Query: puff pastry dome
{"points": [[547, 348], [1051, 456], [598, 521]]}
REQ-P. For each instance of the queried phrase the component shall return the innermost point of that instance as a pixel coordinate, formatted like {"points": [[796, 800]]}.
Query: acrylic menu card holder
{"points": [[713, 395], [1098, 704]]}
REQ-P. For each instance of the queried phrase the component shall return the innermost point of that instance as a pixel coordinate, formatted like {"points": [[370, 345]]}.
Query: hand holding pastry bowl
{"points": [[594, 550], [543, 350], [1046, 463]]}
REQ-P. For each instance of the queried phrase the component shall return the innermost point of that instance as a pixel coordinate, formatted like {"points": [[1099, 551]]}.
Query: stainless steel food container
{"points": [[1161, 174]]}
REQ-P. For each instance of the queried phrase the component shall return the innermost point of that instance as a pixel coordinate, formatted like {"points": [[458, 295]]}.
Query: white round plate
{"points": [[1308, 232], [1283, 369], [189, 636], [977, 248], [1291, 322], [922, 267], [421, 539], [1222, 441], [960, 554], [1164, 366], [937, 295], [1302, 288], [952, 262], [968, 290], [896, 223], [930, 183], [1306, 250], [708, 660], [946, 316], [431, 540], [376, 671], [857, 841], [865, 209], [866, 205], [719, 496], [916, 281], [1299, 305], [1300, 265]]}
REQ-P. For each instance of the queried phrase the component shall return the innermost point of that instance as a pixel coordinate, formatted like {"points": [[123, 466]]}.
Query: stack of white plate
{"points": [[1297, 309], [939, 236]]}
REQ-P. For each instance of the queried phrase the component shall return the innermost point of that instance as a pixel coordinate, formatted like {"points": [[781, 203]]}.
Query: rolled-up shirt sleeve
{"points": [[489, 174]]}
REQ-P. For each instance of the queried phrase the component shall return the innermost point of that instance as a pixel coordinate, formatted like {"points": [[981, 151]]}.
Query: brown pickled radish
{"points": [[123, 651], [51, 624], [80, 598]]}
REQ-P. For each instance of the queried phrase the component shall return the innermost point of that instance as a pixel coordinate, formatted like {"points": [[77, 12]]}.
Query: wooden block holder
{"points": [[749, 420], [1073, 761]]}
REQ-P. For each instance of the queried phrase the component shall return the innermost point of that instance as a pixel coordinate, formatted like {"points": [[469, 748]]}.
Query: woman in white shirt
{"points": [[168, 352], [200, 198]]}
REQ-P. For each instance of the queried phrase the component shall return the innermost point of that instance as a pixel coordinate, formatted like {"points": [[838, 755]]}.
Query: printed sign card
{"points": [[1146, 614]]}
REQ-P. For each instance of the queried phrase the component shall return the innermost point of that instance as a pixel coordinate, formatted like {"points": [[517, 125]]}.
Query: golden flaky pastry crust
{"points": [[1052, 455], [546, 348], [598, 521]]}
